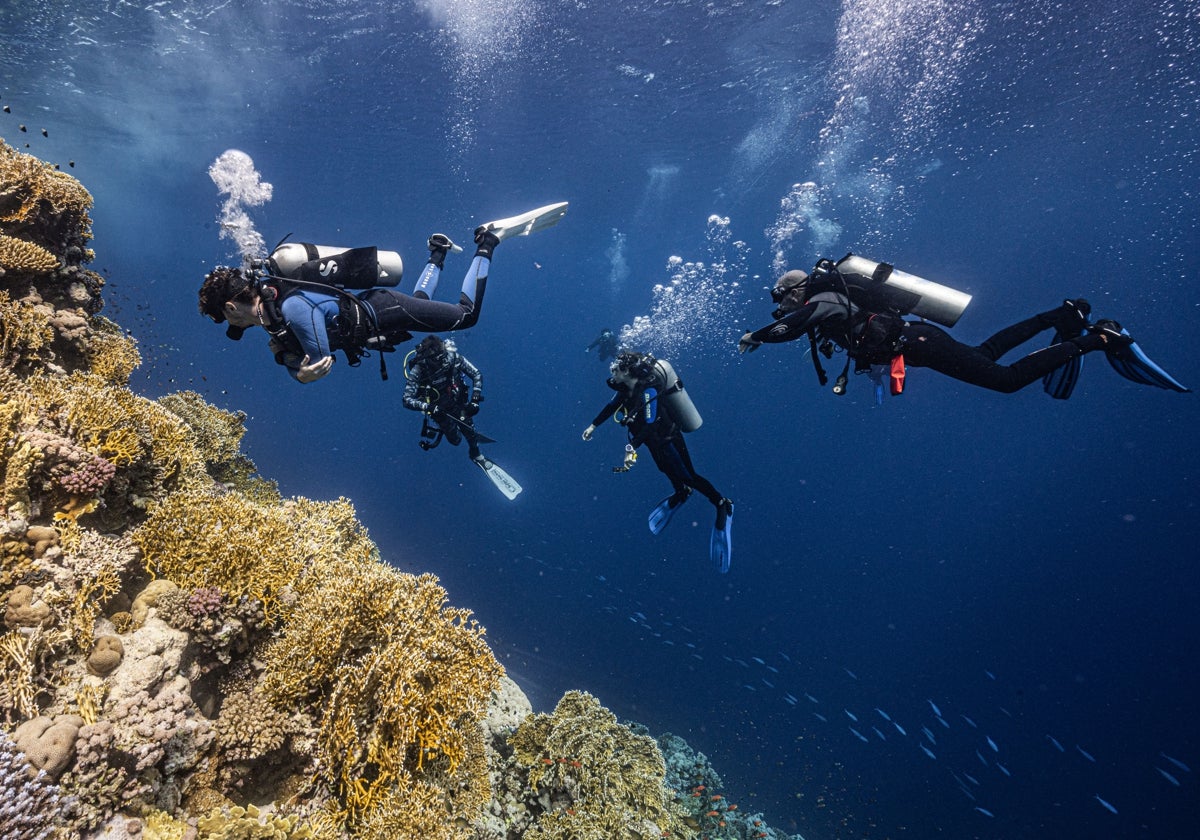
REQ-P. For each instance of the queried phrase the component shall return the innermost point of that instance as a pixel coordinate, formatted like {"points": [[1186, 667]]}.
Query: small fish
{"points": [[7, 110], [820, 717], [929, 735], [990, 675], [927, 751], [1107, 805], [982, 760], [537, 265], [791, 701], [882, 737], [970, 722], [759, 661], [1086, 754], [899, 729], [811, 698], [1176, 762], [992, 743], [749, 687], [936, 710], [45, 133], [1003, 769], [883, 714], [859, 735], [984, 811], [1168, 776], [944, 722], [1057, 745], [971, 779], [851, 715], [786, 658], [850, 673]]}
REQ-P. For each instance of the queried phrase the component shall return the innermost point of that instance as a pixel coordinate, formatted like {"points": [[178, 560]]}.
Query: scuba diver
{"points": [[314, 299], [655, 409], [447, 389], [605, 345], [856, 305]]}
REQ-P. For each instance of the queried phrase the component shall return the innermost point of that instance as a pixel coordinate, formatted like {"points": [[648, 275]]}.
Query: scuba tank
{"points": [[673, 398], [346, 268], [903, 292]]}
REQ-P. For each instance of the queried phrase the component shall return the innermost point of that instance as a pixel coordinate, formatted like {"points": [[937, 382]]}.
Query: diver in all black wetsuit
{"points": [[827, 314], [640, 405], [444, 385]]}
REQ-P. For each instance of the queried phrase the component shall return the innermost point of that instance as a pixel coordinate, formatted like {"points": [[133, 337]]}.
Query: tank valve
{"points": [[839, 387]]}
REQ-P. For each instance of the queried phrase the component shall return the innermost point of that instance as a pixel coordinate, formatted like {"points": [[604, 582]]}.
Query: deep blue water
{"points": [[1025, 563]]}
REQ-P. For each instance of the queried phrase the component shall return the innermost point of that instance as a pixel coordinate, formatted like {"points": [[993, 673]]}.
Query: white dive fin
{"points": [[504, 482], [527, 223]]}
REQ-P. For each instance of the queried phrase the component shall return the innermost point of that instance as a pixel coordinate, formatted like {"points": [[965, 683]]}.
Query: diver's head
{"points": [[229, 295], [630, 366], [789, 291], [431, 349]]}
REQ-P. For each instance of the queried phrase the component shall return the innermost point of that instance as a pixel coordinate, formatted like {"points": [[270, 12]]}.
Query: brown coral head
{"points": [[105, 656]]}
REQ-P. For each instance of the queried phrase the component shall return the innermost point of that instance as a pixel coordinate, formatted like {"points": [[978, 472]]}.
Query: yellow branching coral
{"points": [[411, 810], [19, 255], [219, 433], [24, 329], [244, 547], [101, 415], [404, 680], [48, 203], [614, 775], [111, 354], [249, 823]]}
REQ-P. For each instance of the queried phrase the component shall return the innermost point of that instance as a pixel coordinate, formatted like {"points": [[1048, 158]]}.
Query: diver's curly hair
{"points": [[221, 285]]}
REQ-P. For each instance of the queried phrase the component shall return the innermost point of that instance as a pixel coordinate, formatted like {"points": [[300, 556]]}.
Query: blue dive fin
{"points": [[1133, 364], [1060, 382], [720, 548], [662, 513]]}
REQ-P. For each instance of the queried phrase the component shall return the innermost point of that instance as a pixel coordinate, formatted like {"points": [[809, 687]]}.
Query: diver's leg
{"points": [[427, 283], [928, 346], [1069, 319], [694, 480]]}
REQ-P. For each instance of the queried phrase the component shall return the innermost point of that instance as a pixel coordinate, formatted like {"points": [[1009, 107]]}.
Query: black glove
{"points": [[471, 409]]}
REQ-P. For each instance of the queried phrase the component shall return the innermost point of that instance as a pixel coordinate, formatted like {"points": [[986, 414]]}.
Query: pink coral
{"points": [[88, 478], [205, 601]]}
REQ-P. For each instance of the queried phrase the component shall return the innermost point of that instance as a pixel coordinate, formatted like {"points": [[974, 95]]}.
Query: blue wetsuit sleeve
{"points": [[308, 317]]}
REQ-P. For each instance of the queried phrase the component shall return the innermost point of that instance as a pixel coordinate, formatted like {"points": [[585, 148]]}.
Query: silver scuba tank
{"points": [[906, 292], [673, 398], [290, 257]]}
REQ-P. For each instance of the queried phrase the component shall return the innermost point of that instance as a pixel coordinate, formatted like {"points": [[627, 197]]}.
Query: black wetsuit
{"points": [[648, 423], [872, 338], [443, 387]]}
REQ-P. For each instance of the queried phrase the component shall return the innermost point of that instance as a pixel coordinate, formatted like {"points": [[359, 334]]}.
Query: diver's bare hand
{"points": [[310, 371]]}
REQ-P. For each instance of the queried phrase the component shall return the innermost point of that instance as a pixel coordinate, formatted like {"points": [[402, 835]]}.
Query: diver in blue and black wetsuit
{"points": [[308, 322], [651, 403]]}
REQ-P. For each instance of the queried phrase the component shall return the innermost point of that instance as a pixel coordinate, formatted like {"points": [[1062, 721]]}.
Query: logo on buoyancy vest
{"points": [[327, 268]]}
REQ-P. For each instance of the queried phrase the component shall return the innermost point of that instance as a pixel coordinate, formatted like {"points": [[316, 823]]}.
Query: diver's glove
{"points": [[471, 409], [587, 433], [746, 344]]}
